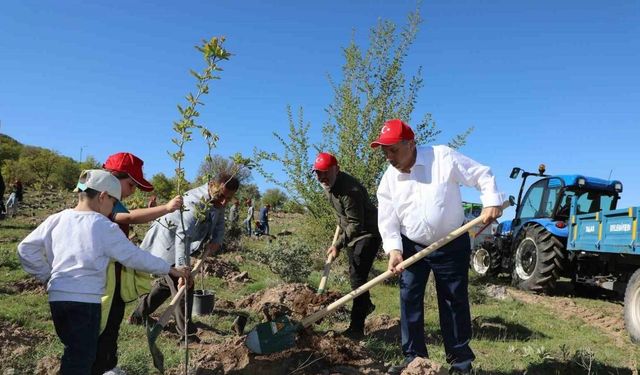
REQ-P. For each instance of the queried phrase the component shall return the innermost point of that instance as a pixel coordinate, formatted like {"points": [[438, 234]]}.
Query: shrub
{"points": [[232, 236], [290, 258]]}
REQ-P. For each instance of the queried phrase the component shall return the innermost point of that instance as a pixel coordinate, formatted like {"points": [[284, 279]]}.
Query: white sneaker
{"points": [[115, 371]]}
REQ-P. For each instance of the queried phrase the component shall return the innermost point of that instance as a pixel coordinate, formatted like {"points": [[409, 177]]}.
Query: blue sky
{"points": [[554, 82]]}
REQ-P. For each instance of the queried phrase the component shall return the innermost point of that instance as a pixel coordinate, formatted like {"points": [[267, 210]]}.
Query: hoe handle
{"points": [[327, 264], [166, 315], [387, 274]]}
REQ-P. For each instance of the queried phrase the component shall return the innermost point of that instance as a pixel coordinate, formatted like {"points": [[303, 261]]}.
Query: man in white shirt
{"points": [[419, 203]]}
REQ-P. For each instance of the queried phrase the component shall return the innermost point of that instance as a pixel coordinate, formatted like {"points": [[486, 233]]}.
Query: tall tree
{"points": [[217, 164], [294, 160], [274, 197], [41, 162], [373, 89], [163, 187], [90, 163], [248, 191], [66, 172]]}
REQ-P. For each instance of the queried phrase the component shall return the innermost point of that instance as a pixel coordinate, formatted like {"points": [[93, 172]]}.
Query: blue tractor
{"points": [[533, 246]]}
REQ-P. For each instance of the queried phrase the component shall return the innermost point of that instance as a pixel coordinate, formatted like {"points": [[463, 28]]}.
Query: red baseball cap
{"points": [[393, 132], [129, 164], [324, 161]]}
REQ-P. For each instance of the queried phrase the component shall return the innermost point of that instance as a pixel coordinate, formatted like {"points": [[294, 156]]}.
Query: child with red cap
{"points": [[127, 168]]}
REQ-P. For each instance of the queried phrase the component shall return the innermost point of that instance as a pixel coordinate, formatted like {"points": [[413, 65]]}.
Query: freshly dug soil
{"points": [[384, 328], [49, 365], [423, 366], [224, 270], [314, 354], [16, 340], [295, 300], [30, 285]]}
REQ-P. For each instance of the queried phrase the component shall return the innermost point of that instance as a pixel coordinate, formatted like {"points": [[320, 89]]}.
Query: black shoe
{"points": [[397, 369], [138, 320], [353, 333]]}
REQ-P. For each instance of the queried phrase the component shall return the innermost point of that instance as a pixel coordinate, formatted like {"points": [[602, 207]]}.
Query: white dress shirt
{"points": [[425, 204]]}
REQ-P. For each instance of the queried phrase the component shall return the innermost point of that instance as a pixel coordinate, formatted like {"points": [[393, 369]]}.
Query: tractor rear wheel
{"points": [[538, 260], [632, 307], [485, 260]]}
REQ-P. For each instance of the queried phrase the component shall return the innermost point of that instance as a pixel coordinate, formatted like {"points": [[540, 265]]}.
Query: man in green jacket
{"points": [[358, 233]]}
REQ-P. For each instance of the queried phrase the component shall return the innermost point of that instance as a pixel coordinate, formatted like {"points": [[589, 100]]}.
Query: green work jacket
{"points": [[357, 216]]}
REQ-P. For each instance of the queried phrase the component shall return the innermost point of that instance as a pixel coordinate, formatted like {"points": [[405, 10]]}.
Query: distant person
{"points": [[11, 207], [233, 212], [17, 186], [2, 188], [259, 229], [264, 219], [247, 221], [70, 252], [127, 168], [358, 235], [169, 244], [419, 203]]}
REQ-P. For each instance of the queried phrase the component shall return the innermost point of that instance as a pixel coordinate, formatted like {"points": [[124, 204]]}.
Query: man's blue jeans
{"points": [[78, 325], [450, 266]]}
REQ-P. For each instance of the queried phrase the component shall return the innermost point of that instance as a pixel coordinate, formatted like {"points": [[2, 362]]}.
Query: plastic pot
{"points": [[203, 301]]}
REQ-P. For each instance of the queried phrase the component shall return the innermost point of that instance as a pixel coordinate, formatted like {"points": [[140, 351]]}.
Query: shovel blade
{"points": [[152, 335], [273, 336]]}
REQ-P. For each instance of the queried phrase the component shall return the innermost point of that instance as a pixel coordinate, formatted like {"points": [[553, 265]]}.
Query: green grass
{"points": [[510, 337]]}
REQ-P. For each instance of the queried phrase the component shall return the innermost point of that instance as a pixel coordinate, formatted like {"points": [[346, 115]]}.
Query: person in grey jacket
{"points": [[204, 226]]}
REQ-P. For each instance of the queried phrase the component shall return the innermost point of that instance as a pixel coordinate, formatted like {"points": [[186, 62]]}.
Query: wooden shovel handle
{"points": [[327, 264], [387, 274], [166, 315]]}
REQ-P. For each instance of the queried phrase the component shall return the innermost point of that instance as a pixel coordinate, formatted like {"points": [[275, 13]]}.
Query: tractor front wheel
{"points": [[632, 307], [538, 260]]}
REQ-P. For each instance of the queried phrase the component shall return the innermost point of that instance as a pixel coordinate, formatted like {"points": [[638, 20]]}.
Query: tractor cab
{"points": [[552, 199]]}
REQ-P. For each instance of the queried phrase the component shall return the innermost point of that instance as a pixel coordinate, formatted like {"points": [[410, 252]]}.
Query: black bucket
{"points": [[203, 301]]}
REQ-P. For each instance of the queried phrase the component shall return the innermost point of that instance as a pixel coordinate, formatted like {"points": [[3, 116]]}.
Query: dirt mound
{"points": [[295, 300], [49, 365], [314, 354], [496, 291], [224, 270], [383, 327], [16, 340], [423, 366], [30, 285]]}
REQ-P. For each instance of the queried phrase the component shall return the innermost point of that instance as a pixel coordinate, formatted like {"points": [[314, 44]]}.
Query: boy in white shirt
{"points": [[70, 251]]}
